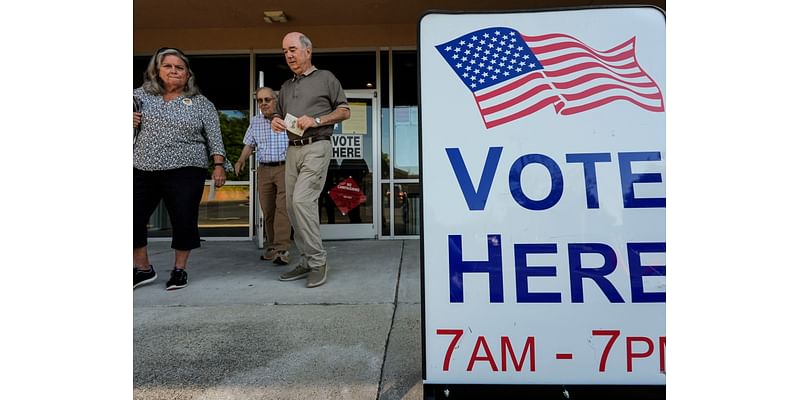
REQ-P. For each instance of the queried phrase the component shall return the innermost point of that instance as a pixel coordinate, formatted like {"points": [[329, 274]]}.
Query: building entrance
{"points": [[347, 203]]}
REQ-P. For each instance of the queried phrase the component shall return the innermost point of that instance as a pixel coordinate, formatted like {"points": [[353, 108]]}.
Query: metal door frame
{"points": [[366, 230]]}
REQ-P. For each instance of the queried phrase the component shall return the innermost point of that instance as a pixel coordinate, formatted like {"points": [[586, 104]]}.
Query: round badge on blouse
{"points": [[187, 101]]}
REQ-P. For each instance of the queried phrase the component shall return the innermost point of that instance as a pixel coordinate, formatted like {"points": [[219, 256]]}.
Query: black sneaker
{"points": [[177, 279], [143, 277]]}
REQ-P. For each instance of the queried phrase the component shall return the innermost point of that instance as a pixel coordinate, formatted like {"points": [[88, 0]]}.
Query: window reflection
{"points": [[385, 143], [400, 146], [386, 194], [406, 142], [406, 209]]}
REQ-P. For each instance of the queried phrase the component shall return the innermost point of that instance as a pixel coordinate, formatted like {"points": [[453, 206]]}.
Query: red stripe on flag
{"points": [[519, 114], [588, 77], [602, 88], [580, 67], [507, 88], [516, 100], [606, 100]]}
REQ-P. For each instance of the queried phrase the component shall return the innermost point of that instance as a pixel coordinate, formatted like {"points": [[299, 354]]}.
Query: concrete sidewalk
{"points": [[236, 332]]}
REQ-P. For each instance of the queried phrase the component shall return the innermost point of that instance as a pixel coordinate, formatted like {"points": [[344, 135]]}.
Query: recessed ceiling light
{"points": [[274, 16]]}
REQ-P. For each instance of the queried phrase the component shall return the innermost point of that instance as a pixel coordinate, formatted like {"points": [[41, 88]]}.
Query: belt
{"points": [[308, 140], [273, 164]]}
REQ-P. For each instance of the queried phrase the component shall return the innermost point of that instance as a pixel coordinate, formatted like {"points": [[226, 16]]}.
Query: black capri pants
{"points": [[181, 189]]}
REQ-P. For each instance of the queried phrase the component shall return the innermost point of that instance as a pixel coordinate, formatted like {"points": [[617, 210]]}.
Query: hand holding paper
{"points": [[291, 125]]}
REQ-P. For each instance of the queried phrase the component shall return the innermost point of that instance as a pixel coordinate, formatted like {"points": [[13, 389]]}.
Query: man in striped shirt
{"points": [[271, 158]]}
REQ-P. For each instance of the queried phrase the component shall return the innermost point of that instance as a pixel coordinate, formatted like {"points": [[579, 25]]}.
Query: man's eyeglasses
{"points": [[264, 100]]}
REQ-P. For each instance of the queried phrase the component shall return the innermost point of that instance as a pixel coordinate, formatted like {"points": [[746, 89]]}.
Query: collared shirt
{"points": [[315, 93], [182, 132], [270, 146]]}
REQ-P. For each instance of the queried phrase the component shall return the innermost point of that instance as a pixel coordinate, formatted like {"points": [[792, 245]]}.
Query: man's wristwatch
{"points": [[317, 121]]}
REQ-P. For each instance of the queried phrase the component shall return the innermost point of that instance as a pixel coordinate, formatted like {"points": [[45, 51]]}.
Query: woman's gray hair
{"points": [[153, 83]]}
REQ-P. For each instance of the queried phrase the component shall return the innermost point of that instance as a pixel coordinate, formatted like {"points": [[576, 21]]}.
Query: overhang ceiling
{"points": [[213, 25]]}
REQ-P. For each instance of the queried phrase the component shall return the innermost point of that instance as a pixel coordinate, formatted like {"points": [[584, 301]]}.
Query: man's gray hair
{"points": [[267, 88], [305, 41]]}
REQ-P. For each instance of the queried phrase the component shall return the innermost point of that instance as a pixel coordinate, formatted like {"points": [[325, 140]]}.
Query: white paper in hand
{"points": [[291, 125]]}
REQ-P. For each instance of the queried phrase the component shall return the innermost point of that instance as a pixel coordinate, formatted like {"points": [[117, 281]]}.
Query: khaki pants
{"points": [[272, 196], [306, 171]]}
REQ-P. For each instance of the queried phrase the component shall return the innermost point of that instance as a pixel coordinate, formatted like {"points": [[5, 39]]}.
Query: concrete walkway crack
{"points": [[391, 324]]}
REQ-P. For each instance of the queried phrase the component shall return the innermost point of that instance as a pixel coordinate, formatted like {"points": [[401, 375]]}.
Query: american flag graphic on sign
{"points": [[512, 75]]}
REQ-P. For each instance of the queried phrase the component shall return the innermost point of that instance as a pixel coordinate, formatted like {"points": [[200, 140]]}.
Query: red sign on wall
{"points": [[347, 195]]}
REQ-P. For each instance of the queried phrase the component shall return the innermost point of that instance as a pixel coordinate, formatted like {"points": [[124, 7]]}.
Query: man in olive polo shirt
{"points": [[316, 99]]}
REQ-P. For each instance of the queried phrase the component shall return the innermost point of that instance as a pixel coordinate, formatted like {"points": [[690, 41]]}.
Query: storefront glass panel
{"points": [[406, 209]]}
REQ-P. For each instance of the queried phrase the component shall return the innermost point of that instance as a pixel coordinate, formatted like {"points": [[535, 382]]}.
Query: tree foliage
{"points": [[233, 128]]}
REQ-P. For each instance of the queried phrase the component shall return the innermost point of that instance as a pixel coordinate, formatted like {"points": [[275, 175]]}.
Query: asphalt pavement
{"points": [[237, 332]]}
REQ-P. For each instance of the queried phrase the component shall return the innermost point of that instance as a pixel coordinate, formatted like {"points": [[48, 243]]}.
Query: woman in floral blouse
{"points": [[178, 135]]}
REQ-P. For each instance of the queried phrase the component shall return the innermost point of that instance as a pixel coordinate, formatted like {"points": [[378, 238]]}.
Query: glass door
{"points": [[347, 204]]}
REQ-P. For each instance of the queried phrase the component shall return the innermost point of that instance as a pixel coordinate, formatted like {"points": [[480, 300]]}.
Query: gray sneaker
{"points": [[300, 271], [317, 276]]}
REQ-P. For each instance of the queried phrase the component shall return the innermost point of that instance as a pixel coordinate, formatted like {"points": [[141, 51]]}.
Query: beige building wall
{"points": [[210, 26], [269, 38]]}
